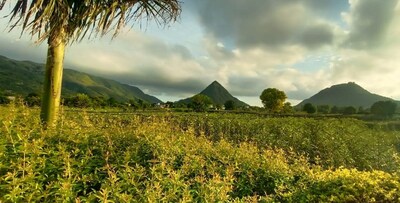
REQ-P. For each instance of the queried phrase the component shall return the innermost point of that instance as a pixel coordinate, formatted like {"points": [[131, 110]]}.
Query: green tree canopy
{"points": [[384, 108], [230, 105], [309, 108], [349, 110], [287, 108], [200, 103], [324, 109], [273, 99]]}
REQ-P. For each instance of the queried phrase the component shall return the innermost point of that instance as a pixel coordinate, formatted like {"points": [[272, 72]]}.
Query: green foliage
{"points": [[230, 105], [335, 110], [200, 103], [324, 109], [44, 18], [309, 108], [273, 99], [350, 110], [79, 100], [194, 158], [4, 100], [32, 99], [384, 108], [287, 108]]}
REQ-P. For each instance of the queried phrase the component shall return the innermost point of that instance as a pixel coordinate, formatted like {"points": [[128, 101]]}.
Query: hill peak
{"points": [[215, 83], [345, 94], [218, 94]]}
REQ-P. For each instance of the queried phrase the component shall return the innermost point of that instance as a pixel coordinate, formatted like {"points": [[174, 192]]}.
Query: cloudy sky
{"points": [[298, 46]]}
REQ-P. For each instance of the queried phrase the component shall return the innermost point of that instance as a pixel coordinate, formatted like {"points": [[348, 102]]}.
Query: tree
{"points": [[335, 110], [79, 101], [273, 99], [63, 22], [324, 109], [169, 104], [287, 108], [112, 102], [200, 103], [350, 110], [309, 108], [384, 108], [230, 105]]}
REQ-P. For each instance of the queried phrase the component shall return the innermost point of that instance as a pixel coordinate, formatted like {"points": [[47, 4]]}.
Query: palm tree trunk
{"points": [[53, 79]]}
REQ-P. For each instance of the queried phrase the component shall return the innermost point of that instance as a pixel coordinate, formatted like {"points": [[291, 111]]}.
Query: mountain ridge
{"points": [[345, 94], [218, 94], [24, 77]]}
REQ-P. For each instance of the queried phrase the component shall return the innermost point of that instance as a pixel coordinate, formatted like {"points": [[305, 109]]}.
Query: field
{"points": [[195, 157]]}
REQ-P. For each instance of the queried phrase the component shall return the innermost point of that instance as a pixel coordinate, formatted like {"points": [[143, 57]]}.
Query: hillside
{"points": [[218, 94], [347, 94], [24, 77]]}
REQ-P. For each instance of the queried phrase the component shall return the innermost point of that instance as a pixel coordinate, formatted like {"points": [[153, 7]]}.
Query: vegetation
{"points": [[273, 99], [200, 103], [63, 22], [4, 99], [350, 110], [230, 105], [194, 158], [323, 109], [384, 108], [309, 108]]}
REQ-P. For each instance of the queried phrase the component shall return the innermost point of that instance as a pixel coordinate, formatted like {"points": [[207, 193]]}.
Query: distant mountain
{"points": [[218, 94], [24, 77], [347, 94]]}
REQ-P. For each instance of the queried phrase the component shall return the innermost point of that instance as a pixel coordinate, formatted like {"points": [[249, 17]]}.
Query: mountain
{"points": [[342, 95], [24, 77], [218, 94]]}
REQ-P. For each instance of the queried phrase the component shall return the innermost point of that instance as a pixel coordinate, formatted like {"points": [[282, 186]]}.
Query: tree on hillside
{"points": [[63, 22], [323, 109], [79, 101], [230, 105], [200, 103], [273, 99], [349, 110], [384, 108], [309, 108], [335, 110]]}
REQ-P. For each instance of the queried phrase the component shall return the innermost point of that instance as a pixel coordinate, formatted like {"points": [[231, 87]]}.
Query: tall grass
{"points": [[176, 158]]}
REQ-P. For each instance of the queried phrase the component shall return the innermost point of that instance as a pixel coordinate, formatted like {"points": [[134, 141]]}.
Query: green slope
{"points": [[24, 77], [218, 94], [341, 95]]}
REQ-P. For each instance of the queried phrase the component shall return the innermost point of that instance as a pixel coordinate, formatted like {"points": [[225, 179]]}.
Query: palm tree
{"points": [[63, 22]]}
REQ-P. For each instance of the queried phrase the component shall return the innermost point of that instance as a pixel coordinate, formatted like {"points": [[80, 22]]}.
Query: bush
{"points": [[309, 108]]}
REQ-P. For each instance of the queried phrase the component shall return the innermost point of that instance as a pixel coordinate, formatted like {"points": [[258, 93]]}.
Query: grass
{"points": [[180, 157]]}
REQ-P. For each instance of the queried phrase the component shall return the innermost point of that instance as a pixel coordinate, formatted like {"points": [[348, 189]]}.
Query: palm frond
{"points": [[87, 18]]}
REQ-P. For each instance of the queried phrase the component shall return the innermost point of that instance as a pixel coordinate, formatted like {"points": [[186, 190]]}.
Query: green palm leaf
{"points": [[79, 17]]}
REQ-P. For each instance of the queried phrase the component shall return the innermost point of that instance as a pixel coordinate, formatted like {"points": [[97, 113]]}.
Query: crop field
{"points": [[195, 157]]}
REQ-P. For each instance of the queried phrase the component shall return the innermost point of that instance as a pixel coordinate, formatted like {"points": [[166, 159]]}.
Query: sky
{"points": [[297, 46]]}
